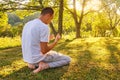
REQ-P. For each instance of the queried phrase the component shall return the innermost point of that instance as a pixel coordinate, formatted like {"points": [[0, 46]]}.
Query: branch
{"points": [[69, 10], [116, 24], [89, 12], [36, 8], [8, 9]]}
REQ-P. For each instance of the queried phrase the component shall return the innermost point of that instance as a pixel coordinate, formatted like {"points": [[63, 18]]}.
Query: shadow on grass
{"points": [[9, 47], [114, 56], [79, 66], [111, 45], [99, 73], [7, 56], [86, 67], [49, 74], [113, 50]]}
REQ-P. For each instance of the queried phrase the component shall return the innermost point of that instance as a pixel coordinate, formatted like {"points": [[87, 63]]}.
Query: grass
{"points": [[92, 59]]}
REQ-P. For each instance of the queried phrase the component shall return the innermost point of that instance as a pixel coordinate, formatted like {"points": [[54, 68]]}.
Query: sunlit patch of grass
{"points": [[94, 61], [9, 69], [92, 39], [7, 56], [8, 42], [99, 51]]}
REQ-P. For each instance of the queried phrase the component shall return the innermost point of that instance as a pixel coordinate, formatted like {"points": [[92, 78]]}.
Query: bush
{"points": [[8, 42]]}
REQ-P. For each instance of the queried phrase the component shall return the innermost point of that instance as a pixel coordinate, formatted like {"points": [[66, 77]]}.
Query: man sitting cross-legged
{"points": [[35, 49]]}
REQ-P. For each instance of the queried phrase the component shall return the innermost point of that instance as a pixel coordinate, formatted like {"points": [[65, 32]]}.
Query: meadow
{"points": [[92, 59]]}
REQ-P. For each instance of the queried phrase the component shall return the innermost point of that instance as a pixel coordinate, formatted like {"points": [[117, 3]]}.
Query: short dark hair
{"points": [[47, 10]]}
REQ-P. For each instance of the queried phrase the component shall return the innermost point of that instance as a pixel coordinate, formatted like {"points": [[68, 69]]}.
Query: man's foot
{"points": [[42, 66], [31, 66]]}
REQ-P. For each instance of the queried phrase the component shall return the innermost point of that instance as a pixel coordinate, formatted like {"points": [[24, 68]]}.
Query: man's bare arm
{"points": [[45, 47]]}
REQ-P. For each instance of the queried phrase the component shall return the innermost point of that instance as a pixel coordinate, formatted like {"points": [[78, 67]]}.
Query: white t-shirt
{"points": [[34, 32]]}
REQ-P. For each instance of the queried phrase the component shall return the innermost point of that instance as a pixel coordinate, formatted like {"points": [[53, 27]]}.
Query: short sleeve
{"points": [[44, 34]]}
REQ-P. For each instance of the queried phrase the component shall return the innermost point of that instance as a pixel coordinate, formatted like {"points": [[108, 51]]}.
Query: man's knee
{"points": [[68, 59]]}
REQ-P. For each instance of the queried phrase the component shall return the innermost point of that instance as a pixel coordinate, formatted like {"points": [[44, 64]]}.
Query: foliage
{"points": [[17, 30], [96, 23], [4, 26], [8, 42], [15, 24], [112, 14], [31, 17], [24, 13], [3, 19], [13, 19], [68, 22], [12, 31]]}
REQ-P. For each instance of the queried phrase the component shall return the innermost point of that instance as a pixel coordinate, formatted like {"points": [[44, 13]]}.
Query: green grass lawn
{"points": [[92, 59]]}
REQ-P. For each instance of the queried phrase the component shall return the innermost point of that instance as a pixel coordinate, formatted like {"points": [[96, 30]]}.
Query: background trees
{"points": [[86, 18]]}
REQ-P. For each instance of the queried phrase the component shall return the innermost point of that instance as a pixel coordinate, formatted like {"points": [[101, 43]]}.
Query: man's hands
{"points": [[51, 37], [57, 38]]}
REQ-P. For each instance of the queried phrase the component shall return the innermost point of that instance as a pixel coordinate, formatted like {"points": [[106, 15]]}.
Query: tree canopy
{"points": [[84, 17]]}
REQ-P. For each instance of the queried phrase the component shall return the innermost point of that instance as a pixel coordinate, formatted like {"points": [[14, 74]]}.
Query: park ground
{"points": [[92, 59]]}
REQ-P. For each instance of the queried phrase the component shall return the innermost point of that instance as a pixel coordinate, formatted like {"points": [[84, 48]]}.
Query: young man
{"points": [[36, 51]]}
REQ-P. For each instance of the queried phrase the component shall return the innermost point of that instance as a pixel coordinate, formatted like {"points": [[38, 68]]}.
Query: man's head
{"points": [[47, 15]]}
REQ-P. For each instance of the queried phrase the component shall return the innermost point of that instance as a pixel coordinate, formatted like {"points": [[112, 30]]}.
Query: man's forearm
{"points": [[49, 47], [45, 47]]}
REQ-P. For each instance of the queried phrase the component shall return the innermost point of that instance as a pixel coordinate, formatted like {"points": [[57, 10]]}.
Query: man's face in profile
{"points": [[50, 17]]}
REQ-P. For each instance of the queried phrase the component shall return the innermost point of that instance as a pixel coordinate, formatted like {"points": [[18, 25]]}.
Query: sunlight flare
{"points": [[118, 12], [90, 5]]}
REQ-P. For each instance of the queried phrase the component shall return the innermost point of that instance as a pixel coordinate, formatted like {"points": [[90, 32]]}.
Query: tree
{"points": [[13, 18], [112, 13], [60, 18], [32, 5], [78, 16]]}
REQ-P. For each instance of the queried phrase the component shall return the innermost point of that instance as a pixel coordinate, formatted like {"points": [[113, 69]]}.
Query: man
{"points": [[36, 51]]}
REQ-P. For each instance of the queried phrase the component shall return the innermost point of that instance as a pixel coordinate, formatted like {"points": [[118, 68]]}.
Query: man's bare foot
{"points": [[31, 66], [42, 66]]}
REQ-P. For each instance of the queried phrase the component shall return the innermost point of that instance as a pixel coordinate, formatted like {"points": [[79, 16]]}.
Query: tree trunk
{"points": [[78, 22], [53, 29], [81, 17], [77, 30], [60, 18], [76, 19]]}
